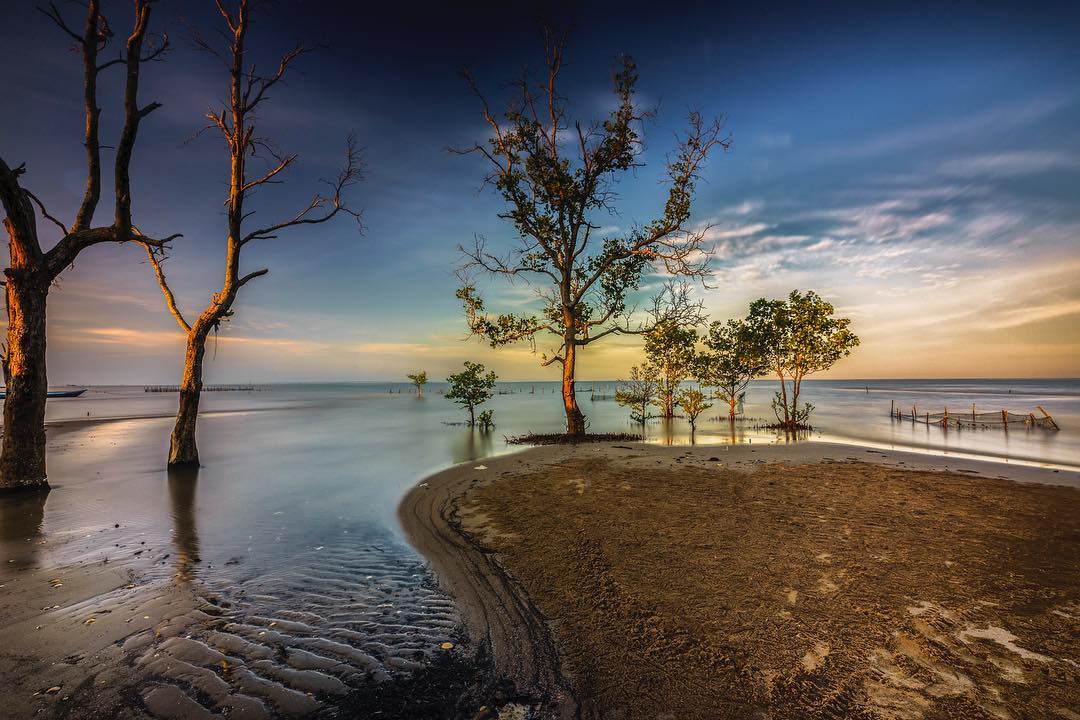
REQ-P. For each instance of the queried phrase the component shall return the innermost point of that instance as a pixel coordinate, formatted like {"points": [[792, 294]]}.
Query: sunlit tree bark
{"points": [[236, 124], [32, 269]]}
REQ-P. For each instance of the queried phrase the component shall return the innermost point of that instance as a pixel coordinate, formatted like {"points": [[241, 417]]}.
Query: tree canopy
{"points": [[800, 336], [733, 356], [670, 357], [471, 387]]}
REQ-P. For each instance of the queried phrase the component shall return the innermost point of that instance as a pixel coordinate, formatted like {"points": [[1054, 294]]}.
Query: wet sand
{"points": [[130, 592], [814, 580]]}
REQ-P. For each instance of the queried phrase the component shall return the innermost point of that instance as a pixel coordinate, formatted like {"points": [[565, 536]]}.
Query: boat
{"points": [[55, 393]]}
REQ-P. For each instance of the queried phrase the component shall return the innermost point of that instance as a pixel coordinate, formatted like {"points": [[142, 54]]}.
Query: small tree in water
{"points": [[693, 403], [419, 380], [733, 357], [669, 360], [471, 387], [637, 393], [800, 337], [486, 421], [557, 177]]}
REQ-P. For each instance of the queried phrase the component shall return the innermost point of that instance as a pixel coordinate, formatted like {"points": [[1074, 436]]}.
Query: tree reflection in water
{"points": [[185, 536]]}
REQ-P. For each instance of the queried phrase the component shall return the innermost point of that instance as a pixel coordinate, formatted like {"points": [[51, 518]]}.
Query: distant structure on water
{"points": [[206, 388], [992, 419]]}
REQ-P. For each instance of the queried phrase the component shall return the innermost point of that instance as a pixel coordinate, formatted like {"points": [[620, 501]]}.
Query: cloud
{"points": [[1012, 163], [1001, 117], [775, 140], [737, 232]]}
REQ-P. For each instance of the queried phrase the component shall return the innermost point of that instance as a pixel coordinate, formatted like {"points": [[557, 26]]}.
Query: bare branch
{"points": [[133, 115], [258, 87], [53, 13], [269, 176], [170, 299], [44, 213], [351, 173], [251, 276]]}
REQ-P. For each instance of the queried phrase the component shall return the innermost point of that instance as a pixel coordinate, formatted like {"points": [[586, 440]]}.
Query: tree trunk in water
{"points": [[669, 399], [182, 448], [22, 464], [731, 406], [575, 421], [783, 391]]}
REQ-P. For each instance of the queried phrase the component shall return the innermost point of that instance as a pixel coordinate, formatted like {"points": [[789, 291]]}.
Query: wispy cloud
{"points": [[1012, 163]]}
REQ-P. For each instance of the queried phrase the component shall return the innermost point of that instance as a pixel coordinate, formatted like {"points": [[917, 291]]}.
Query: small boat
{"points": [[66, 393], [54, 393]]}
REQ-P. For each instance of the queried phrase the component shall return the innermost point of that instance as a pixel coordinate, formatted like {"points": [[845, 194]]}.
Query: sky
{"points": [[918, 165]]}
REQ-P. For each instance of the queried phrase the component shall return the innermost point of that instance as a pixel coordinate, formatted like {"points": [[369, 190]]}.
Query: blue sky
{"points": [[919, 166]]}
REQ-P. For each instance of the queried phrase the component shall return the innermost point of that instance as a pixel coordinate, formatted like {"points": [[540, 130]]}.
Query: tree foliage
{"points": [[419, 379], [637, 393], [471, 387], [670, 357], [557, 178], [800, 336], [734, 355], [693, 403]]}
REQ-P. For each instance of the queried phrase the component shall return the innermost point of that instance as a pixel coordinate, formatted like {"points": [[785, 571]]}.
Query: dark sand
{"points": [[784, 581], [104, 619]]}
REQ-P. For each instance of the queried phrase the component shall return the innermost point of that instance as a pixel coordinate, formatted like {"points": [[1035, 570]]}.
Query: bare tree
{"points": [[33, 269], [556, 175], [236, 124]]}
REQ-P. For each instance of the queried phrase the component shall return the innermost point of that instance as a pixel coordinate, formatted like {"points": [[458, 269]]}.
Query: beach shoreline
{"points": [[472, 528]]}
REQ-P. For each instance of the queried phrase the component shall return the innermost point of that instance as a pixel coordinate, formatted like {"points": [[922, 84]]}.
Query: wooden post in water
{"points": [[892, 408], [945, 420], [913, 414], [1046, 416], [972, 413], [1005, 419]]}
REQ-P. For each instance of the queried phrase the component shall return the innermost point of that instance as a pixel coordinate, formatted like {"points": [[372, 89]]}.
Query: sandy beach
{"points": [[808, 580]]}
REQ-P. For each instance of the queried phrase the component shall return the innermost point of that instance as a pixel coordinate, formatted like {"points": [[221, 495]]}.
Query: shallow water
{"points": [[293, 514], [291, 468]]}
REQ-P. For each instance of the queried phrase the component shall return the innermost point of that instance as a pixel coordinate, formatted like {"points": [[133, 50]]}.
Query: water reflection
{"points": [[472, 444], [185, 536], [21, 519]]}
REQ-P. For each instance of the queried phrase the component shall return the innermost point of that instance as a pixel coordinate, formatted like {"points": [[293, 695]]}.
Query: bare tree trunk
{"points": [[731, 406], [22, 464], [182, 448], [32, 270], [575, 421], [236, 123]]}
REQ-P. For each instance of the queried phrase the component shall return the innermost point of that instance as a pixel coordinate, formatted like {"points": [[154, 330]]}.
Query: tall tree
{"points": [[556, 175], [734, 356], [236, 124], [800, 337], [670, 359], [32, 269]]}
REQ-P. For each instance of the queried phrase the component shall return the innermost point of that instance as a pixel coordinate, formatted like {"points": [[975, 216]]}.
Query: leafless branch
{"points": [[351, 173], [45, 213], [170, 299]]}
